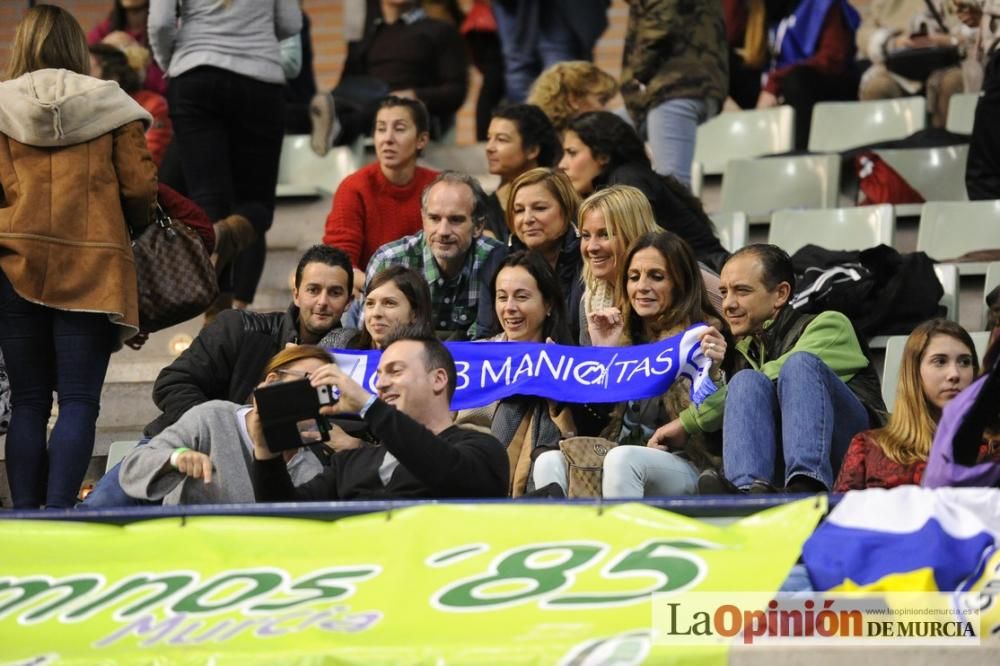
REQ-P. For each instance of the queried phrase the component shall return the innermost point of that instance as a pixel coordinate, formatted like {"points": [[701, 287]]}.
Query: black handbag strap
{"points": [[936, 14]]}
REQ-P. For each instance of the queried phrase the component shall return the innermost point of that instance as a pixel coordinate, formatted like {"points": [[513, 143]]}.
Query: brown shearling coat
{"points": [[63, 213]]}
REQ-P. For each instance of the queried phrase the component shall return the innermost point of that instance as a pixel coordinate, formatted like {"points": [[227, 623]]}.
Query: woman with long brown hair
{"points": [[75, 175], [663, 295], [939, 360]]}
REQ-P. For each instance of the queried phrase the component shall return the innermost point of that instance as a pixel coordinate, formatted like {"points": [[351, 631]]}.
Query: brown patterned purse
{"points": [[585, 460], [176, 278]]}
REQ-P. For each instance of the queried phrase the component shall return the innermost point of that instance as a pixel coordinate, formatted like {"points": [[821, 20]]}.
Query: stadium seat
{"points": [[470, 159], [834, 229], [992, 282], [937, 173], [894, 357], [961, 113], [117, 451], [732, 229], [302, 173], [950, 229], [839, 126], [760, 186], [740, 135], [947, 275]]}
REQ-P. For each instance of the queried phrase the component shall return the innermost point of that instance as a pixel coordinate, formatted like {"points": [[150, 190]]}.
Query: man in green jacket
{"points": [[804, 386]]}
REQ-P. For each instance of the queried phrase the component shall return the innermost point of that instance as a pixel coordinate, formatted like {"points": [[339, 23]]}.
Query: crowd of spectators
{"points": [[591, 238]]}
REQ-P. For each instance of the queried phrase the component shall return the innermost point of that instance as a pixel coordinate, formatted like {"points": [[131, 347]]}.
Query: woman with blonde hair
{"points": [[664, 295], [75, 174], [568, 88], [541, 213], [939, 360], [610, 219]]}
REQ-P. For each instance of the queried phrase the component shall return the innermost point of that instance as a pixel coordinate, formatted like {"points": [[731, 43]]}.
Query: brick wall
{"points": [[328, 43]]}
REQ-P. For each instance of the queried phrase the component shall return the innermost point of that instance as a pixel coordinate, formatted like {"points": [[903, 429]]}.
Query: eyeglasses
{"points": [[294, 373]]}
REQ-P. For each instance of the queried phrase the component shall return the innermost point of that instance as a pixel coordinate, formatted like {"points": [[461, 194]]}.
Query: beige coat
{"points": [[74, 168]]}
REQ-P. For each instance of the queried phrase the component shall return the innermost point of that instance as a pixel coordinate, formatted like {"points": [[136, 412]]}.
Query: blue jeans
{"points": [[801, 427], [50, 350], [108, 493], [671, 129], [533, 37]]}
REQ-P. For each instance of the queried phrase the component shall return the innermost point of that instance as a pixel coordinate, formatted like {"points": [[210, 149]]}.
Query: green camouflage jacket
{"points": [[673, 48]]}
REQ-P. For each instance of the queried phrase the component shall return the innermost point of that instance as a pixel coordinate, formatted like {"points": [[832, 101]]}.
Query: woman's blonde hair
{"points": [[907, 437], [554, 89], [556, 182], [628, 216], [48, 37]]}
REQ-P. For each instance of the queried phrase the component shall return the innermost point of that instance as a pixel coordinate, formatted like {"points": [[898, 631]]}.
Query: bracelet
{"points": [[178, 452], [365, 407]]}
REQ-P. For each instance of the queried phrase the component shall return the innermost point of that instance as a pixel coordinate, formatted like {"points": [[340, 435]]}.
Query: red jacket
{"points": [[368, 212], [161, 131]]}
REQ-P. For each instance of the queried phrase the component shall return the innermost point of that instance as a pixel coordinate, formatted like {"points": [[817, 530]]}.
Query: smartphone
{"points": [[283, 405]]}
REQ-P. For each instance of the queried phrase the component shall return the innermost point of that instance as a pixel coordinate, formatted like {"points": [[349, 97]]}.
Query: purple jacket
{"points": [[942, 467]]}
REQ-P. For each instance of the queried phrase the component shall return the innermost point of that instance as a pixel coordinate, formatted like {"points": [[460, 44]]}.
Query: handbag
{"points": [[917, 64], [585, 459], [176, 278]]}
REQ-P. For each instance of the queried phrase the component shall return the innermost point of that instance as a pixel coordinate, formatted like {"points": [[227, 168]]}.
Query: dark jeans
{"points": [[108, 493], [228, 129], [803, 87], [50, 350], [982, 174]]}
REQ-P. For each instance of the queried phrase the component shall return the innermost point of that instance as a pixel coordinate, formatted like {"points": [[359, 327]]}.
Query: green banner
{"points": [[444, 584]]}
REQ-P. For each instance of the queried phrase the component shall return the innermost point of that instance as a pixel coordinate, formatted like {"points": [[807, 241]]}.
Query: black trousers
{"points": [[804, 87], [228, 130], [982, 170]]}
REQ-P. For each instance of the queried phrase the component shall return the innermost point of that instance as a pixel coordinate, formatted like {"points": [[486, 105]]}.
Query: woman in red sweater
{"points": [[380, 203], [939, 360]]}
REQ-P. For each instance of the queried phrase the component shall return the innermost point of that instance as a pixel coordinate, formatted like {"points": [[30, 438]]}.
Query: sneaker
{"points": [[325, 125], [712, 482]]}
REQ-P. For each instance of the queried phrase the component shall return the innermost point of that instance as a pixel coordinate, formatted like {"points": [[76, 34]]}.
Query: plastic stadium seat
{"points": [[302, 173], [117, 451], [839, 126], [894, 357], [992, 282], [937, 173], [949, 229], [947, 275], [740, 135], [834, 229], [961, 113], [760, 186], [732, 229]]}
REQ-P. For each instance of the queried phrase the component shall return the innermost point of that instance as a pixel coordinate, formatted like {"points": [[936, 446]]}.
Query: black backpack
{"points": [[880, 290]]}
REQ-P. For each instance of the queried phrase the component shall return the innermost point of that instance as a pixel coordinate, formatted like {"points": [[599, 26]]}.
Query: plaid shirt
{"points": [[456, 301]]}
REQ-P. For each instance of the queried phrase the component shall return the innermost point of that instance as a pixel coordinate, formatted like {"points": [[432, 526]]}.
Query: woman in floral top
{"points": [[939, 360]]}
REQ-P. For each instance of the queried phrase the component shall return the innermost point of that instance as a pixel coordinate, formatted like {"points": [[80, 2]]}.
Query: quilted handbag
{"points": [[585, 459], [176, 278]]}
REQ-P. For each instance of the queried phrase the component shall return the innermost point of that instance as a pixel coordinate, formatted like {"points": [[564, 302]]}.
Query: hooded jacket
{"points": [[74, 169]]}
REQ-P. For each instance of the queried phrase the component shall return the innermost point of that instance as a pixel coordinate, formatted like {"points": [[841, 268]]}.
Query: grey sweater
{"points": [[241, 37], [212, 428]]}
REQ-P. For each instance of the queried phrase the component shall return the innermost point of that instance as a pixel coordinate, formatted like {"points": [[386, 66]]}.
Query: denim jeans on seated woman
{"points": [[49, 350]]}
